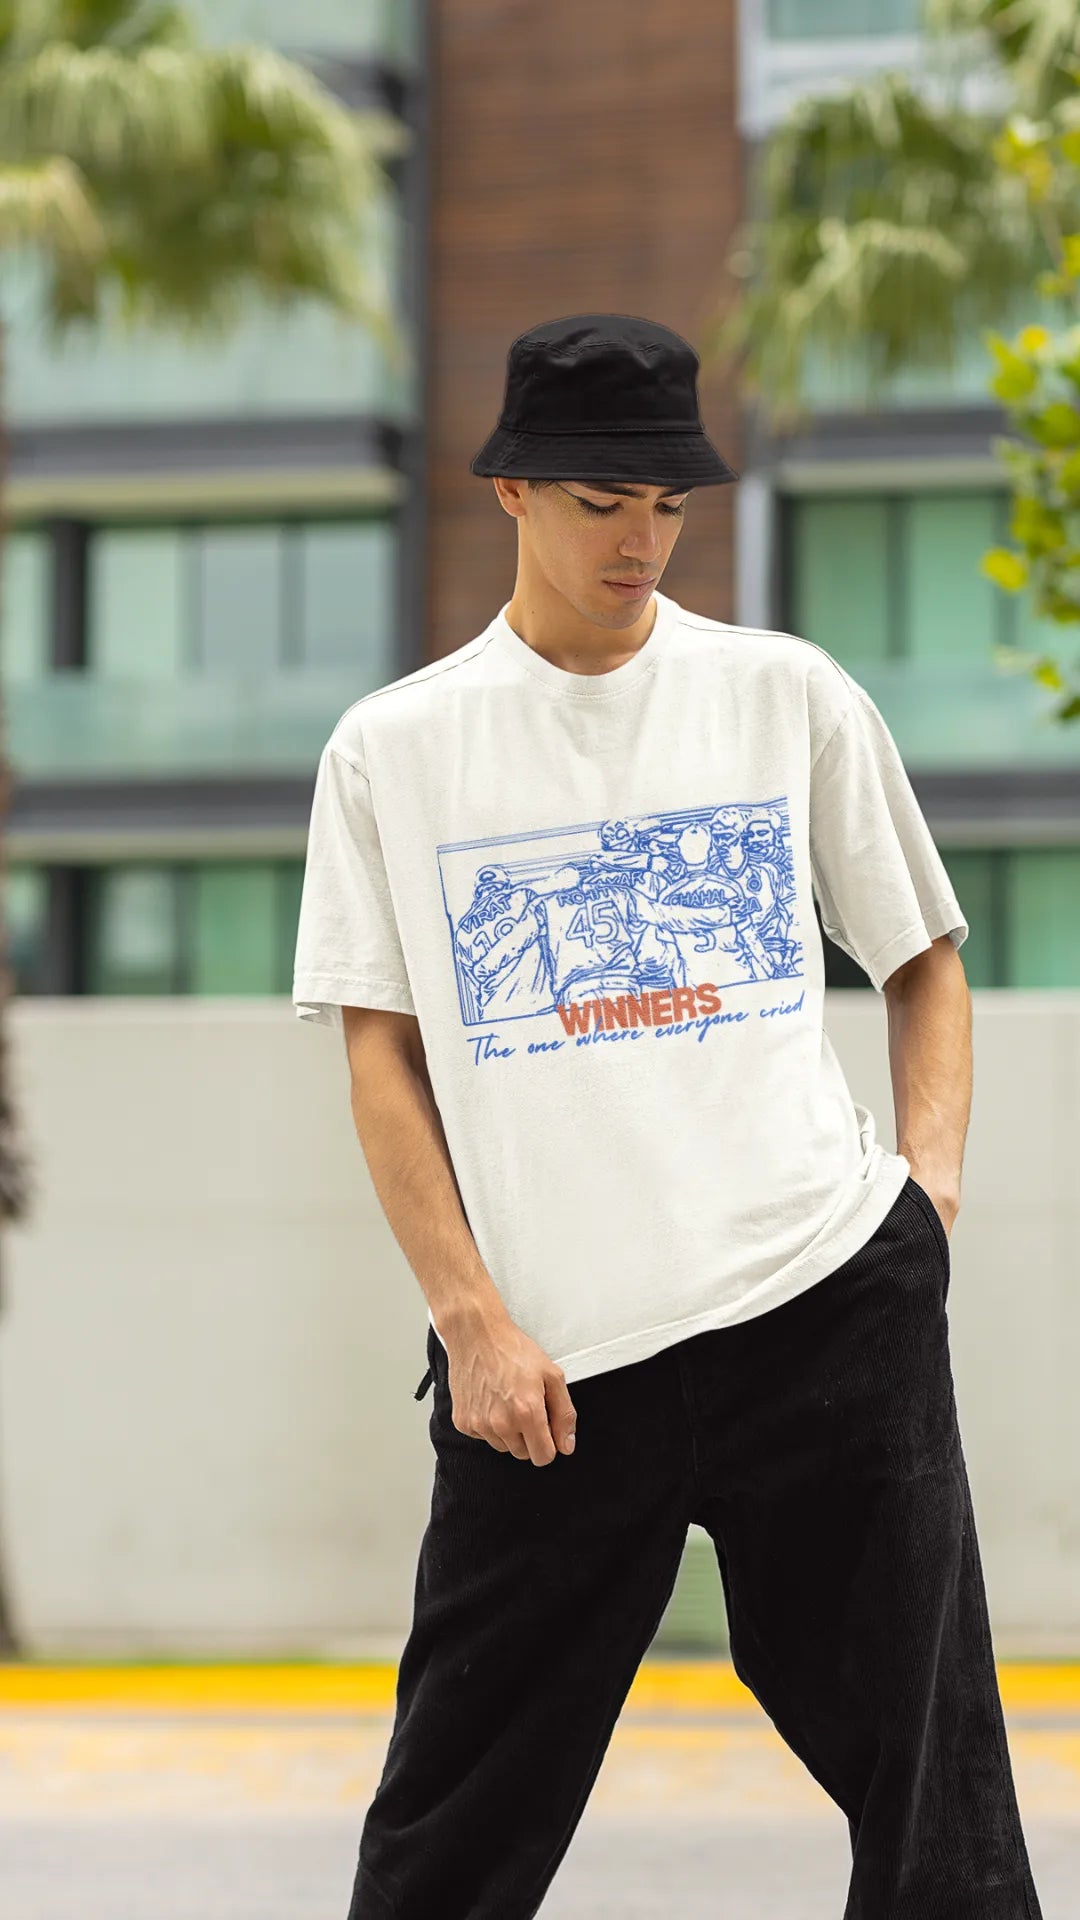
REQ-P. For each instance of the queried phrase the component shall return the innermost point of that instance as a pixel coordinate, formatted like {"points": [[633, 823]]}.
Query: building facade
{"points": [[211, 552], [864, 533]]}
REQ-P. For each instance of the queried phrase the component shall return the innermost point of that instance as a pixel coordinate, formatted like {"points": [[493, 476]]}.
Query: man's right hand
{"points": [[504, 1389]]}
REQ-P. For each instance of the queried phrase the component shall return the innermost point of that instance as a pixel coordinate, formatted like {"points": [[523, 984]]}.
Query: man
{"points": [[672, 1274]]}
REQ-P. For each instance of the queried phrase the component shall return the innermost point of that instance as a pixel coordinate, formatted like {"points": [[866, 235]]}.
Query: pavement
{"points": [[238, 1793]]}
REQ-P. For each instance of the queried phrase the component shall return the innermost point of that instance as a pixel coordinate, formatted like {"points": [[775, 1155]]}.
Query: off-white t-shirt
{"points": [[595, 893]]}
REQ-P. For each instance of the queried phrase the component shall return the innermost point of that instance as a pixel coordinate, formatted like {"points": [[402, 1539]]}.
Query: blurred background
{"points": [[261, 264], [260, 267]]}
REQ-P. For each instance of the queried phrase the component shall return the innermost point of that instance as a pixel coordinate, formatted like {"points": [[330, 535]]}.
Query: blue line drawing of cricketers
{"points": [[591, 924], [728, 849], [770, 882], [647, 851], [501, 949], [705, 912]]}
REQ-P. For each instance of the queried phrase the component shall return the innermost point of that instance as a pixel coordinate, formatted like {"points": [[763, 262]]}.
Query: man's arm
{"points": [[505, 1389], [401, 1134], [929, 1013]]}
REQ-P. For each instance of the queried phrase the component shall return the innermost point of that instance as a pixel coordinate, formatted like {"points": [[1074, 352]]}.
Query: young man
{"points": [[559, 900]]}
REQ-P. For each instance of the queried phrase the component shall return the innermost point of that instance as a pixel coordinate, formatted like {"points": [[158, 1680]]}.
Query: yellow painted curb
{"points": [[689, 1686]]}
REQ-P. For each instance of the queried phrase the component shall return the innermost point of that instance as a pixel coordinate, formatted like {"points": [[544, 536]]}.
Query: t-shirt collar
{"points": [[588, 686]]}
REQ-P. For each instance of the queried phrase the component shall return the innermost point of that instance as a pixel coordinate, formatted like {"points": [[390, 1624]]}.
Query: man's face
{"points": [[581, 536]]}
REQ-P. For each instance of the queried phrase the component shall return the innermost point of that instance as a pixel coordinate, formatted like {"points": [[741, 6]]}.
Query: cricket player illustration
{"points": [[769, 884], [591, 925], [705, 912], [728, 853], [621, 907], [649, 852], [501, 949]]}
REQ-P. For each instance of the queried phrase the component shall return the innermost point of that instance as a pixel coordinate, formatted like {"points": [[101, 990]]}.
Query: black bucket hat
{"points": [[602, 396]]}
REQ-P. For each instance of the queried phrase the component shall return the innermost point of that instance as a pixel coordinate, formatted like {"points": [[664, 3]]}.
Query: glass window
{"points": [[290, 884], [26, 904], [240, 603], [977, 874], [816, 19], [25, 604], [347, 599], [138, 603], [241, 599], [133, 932], [953, 610], [901, 574], [839, 593], [209, 927], [1044, 917], [235, 927]]}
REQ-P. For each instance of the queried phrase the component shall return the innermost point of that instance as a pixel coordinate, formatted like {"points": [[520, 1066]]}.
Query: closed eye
{"points": [[591, 508]]}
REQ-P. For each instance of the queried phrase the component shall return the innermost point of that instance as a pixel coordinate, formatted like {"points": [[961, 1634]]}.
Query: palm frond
{"points": [[885, 226], [127, 25], [1037, 41], [109, 112], [209, 177], [46, 205]]}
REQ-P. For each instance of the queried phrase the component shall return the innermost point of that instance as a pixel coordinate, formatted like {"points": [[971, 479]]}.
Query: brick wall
{"points": [[584, 157]]}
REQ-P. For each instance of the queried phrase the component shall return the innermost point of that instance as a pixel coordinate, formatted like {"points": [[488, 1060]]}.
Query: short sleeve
{"points": [[348, 949], [882, 887]]}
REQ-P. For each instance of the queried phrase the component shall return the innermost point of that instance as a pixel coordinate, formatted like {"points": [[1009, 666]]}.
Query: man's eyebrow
{"points": [[636, 493]]}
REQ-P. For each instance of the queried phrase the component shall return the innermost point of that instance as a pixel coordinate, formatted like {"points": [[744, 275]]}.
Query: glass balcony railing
{"points": [[309, 361], [963, 715], [829, 19], [354, 29], [75, 726], [943, 714]]}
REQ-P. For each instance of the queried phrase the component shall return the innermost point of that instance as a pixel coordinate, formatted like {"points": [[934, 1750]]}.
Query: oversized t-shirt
{"points": [[595, 893]]}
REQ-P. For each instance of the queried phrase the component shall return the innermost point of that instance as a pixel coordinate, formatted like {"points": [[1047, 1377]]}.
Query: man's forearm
{"points": [[930, 1058], [401, 1133]]}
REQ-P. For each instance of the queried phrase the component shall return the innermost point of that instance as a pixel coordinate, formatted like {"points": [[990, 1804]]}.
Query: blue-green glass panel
{"points": [[133, 938], [816, 19], [290, 876], [307, 361], [841, 381], [957, 714], [26, 901], [239, 608], [235, 927], [970, 870], [348, 609], [840, 585], [24, 604], [357, 28], [1035, 633], [73, 725], [1044, 917], [952, 606], [138, 605]]}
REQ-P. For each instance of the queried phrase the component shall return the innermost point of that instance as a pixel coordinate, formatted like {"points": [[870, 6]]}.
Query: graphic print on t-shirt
{"points": [[567, 919]]}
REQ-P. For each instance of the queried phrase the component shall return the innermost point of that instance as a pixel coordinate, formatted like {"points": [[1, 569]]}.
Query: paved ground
{"points": [[247, 1804]]}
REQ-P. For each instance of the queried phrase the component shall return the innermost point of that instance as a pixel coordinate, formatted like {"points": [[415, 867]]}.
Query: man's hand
{"points": [[504, 1389], [943, 1189]]}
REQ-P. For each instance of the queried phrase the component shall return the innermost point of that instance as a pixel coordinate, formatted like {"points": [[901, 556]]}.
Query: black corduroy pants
{"points": [[818, 1445]]}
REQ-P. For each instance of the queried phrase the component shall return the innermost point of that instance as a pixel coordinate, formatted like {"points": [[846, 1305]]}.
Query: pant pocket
{"points": [[430, 1374], [937, 1226]]}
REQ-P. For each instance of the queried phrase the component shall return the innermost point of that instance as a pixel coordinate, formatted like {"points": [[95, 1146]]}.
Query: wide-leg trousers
{"points": [[818, 1444]]}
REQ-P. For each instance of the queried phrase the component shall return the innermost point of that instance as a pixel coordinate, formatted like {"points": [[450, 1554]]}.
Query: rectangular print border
{"points": [[560, 916]]}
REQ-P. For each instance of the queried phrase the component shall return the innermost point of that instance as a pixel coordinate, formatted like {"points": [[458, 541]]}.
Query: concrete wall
{"points": [[210, 1340]]}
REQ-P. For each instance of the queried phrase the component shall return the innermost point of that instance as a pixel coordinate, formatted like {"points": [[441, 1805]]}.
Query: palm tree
{"points": [[165, 184], [894, 219]]}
